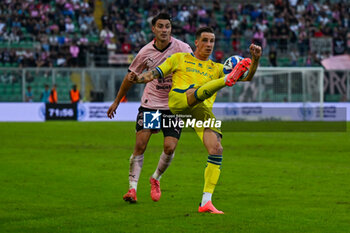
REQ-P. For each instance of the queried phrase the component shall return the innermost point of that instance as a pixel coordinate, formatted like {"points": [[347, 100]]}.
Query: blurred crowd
{"points": [[45, 32], [63, 28], [282, 27]]}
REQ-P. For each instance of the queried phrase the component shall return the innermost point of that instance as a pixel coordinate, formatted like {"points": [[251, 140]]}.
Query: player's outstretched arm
{"points": [[255, 51], [146, 77], [124, 88]]}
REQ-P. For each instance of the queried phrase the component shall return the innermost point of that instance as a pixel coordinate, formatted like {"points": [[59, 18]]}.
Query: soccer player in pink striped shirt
{"points": [[155, 97]]}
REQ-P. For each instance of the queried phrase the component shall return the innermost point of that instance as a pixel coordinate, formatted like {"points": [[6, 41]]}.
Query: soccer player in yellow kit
{"points": [[196, 79]]}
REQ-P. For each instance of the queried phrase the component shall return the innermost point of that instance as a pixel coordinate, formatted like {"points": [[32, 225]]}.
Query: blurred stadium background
{"points": [[73, 42]]}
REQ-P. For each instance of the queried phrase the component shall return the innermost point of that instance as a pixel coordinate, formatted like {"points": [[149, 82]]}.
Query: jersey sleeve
{"points": [[169, 65], [138, 65]]}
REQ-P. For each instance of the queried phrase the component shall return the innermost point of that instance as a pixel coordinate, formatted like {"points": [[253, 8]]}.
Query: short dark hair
{"points": [[203, 29], [161, 15]]}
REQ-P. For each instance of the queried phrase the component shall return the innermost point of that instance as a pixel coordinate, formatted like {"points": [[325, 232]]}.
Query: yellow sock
{"points": [[209, 89], [212, 173]]}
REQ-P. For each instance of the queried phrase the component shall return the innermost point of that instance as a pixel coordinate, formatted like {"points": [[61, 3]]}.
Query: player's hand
{"points": [[255, 51], [112, 110], [132, 77]]}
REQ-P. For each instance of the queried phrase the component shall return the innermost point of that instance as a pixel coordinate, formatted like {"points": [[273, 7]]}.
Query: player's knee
{"points": [[169, 148], [216, 149]]}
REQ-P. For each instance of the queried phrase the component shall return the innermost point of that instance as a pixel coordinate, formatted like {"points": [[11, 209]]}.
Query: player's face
{"points": [[162, 30], [205, 44]]}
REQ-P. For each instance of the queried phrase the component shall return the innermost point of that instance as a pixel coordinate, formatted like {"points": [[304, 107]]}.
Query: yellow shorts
{"points": [[178, 105]]}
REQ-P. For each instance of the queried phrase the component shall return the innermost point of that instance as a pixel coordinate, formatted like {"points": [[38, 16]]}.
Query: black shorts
{"points": [[172, 131]]}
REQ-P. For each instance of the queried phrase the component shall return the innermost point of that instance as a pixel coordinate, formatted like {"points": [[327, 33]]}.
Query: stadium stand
{"points": [[39, 33], [82, 33]]}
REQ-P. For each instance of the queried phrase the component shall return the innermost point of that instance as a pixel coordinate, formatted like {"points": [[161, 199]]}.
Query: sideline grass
{"points": [[70, 177]]}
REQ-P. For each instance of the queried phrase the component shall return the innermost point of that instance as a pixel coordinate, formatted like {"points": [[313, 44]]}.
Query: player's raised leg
{"points": [[136, 162], [210, 88], [164, 162], [212, 142]]}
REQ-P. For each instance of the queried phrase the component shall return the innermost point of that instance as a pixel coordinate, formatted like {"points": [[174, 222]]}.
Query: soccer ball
{"points": [[231, 62]]}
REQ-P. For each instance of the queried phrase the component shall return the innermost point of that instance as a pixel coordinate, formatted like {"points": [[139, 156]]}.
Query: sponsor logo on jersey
{"points": [[190, 62], [205, 74]]}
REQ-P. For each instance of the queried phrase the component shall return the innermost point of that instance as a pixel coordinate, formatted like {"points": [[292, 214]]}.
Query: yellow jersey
{"points": [[190, 72]]}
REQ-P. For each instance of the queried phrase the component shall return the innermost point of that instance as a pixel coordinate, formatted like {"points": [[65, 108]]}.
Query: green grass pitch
{"points": [[71, 176]]}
